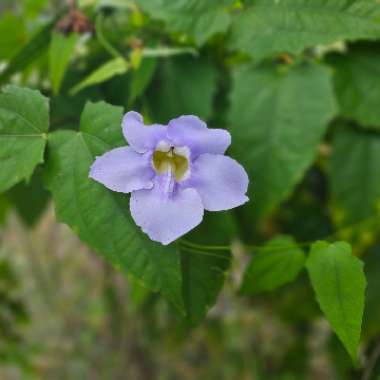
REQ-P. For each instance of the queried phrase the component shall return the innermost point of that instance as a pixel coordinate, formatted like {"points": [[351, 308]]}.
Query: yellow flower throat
{"points": [[170, 160]]}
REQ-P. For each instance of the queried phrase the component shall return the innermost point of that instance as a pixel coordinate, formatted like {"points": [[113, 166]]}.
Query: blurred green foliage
{"points": [[297, 84]]}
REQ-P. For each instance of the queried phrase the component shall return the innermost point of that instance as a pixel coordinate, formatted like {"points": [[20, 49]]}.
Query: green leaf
{"points": [[33, 8], [99, 216], [24, 122], [108, 70], [4, 208], [339, 283], [200, 19], [279, 262], [29, 199], [354, 175], [357, 84], [29, 52], [204, 272], [141, 78], [277, 124], [203, 278], [184, 86], [371, 326], [270, 27], [12, 34], [60, 54], [137, 293]]}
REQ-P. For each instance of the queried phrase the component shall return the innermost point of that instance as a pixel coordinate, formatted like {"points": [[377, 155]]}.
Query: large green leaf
{"points": [[204, 271], [270, 27], [99, 216], [24, 122], [278, 117], [339, 283], [357, 84], [278, 263], [60, 54], [184, 86], [200, 19], [355, 175]]}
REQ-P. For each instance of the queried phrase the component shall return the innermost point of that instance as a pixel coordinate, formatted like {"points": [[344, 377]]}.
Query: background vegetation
{"points": [[284, 288]]}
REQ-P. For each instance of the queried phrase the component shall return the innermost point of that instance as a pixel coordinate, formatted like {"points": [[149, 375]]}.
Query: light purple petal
{"points": [[193, 132], [165, 218], [141, 137], [220, 181], [123, 170]]}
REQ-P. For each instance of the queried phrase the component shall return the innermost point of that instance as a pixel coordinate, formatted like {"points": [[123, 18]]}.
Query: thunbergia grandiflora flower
{"points": [[174, 173]]}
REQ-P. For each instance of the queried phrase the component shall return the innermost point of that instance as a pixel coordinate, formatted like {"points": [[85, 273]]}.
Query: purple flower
{"points": [[174, 173]]}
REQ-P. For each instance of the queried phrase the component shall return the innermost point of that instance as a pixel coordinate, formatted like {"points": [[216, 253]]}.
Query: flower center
{"points": [[172, 160]]}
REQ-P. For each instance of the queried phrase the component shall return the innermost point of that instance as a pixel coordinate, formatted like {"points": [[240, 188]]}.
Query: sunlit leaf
{"points": [[163, 51], [108, 70]]}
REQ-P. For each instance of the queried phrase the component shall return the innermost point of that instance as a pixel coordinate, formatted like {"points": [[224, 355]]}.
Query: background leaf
{"points": [[204, 272], [29, 199], [276, 264], [184, 86], [357, 84], [339, 284], [24, 122], [276, 128], [356, 155], [201, 19], [28, 53], [33, 8], [141, 77], [12, 34], [371, 326], [271, 27], [61, 51], [4, 208], [108, 70]]}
